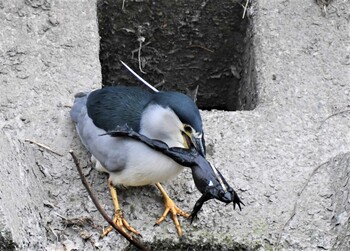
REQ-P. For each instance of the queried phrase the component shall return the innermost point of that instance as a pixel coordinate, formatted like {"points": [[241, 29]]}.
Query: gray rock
{"points": [[289, 158]]}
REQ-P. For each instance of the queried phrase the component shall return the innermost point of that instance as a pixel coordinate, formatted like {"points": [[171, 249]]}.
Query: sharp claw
{"points": [[237, 200], [170, 207], [124, 225], [193, 216], [118, 218]]}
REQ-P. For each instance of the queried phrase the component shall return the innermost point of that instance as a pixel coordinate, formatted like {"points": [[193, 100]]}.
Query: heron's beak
{"points": [[199, 144], [196, 140]]}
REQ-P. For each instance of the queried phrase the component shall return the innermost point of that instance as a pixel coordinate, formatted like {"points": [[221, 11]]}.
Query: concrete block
{"points": [[288, 158]]}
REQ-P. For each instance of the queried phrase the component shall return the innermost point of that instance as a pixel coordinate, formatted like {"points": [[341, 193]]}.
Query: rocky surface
{"points": [[288, 158], [48, 51]]}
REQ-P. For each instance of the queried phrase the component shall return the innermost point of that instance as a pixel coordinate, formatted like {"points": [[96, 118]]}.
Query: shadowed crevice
{"points": [[178, 45]]}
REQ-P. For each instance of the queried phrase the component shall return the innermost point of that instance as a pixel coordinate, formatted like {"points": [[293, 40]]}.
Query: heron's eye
{"points": [[188, 128]]}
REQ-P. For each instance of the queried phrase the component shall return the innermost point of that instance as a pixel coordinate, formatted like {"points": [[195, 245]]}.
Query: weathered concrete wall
{"points": [[291, 154], [48, 51], [289, 158]]}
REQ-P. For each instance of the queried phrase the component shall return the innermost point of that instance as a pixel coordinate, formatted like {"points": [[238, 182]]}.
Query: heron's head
{"points": [[175, 119]]}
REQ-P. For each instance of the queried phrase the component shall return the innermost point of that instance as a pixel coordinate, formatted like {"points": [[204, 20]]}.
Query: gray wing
{"points": [[107, 150]]}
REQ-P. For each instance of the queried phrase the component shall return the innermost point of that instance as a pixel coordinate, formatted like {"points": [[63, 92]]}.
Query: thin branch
{"points": [[123, 6], [141, 40], [287, 223], [62, 217], [54, 233], [200, 46], [296, 203], [333, 115], [43, 146], [310, 177], [100, 209], [245, 8]]}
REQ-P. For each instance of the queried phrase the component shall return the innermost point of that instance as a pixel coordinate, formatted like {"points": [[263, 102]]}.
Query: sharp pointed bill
{"points": [[198, 142]]}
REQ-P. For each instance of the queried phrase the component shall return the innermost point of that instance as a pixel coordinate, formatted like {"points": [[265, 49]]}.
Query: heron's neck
{"points": [[162, 124]]}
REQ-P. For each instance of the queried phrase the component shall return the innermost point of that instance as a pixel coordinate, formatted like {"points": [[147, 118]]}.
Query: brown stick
{"points": [[43, 146], [200, 46], [245, 8], [100, 209]]}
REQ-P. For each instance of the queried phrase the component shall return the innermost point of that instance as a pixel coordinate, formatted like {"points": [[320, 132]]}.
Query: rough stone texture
{"points": [[288, 159], [48, 51]]}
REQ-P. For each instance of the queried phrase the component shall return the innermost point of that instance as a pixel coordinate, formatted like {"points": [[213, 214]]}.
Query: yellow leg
{"points": [[170, 207], [118, 215]]}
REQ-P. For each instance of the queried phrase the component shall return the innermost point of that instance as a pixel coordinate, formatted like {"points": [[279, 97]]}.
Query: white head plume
{"points": [[138, 77]]}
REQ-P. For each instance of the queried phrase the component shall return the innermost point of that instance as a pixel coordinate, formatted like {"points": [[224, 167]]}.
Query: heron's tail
{"points": [[79, 105]]}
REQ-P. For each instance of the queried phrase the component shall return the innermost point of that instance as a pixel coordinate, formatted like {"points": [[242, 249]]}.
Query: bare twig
{"points": [[141, 40], [287, 223], [62, 217], [333, 115], [245, 8], [43, 146], [137, 49], [310, 177], [296, 203], [123, 6], [100, 209], [160, 84], [323, 4], [54, 233], [200, 46]]}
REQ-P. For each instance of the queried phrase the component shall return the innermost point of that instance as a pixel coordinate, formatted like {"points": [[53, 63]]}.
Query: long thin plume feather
{"points": [[138, 77]]}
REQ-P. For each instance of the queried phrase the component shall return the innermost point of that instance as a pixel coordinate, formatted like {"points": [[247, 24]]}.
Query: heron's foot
{"points": [[119, 220], [173, 209]]}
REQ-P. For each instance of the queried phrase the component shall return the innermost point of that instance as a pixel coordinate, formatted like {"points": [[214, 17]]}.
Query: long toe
{"points": [[119, 220], [171, 207]]}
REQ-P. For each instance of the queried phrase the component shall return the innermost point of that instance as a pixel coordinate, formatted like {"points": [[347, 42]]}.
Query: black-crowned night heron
{"points": [[171, 117]]}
